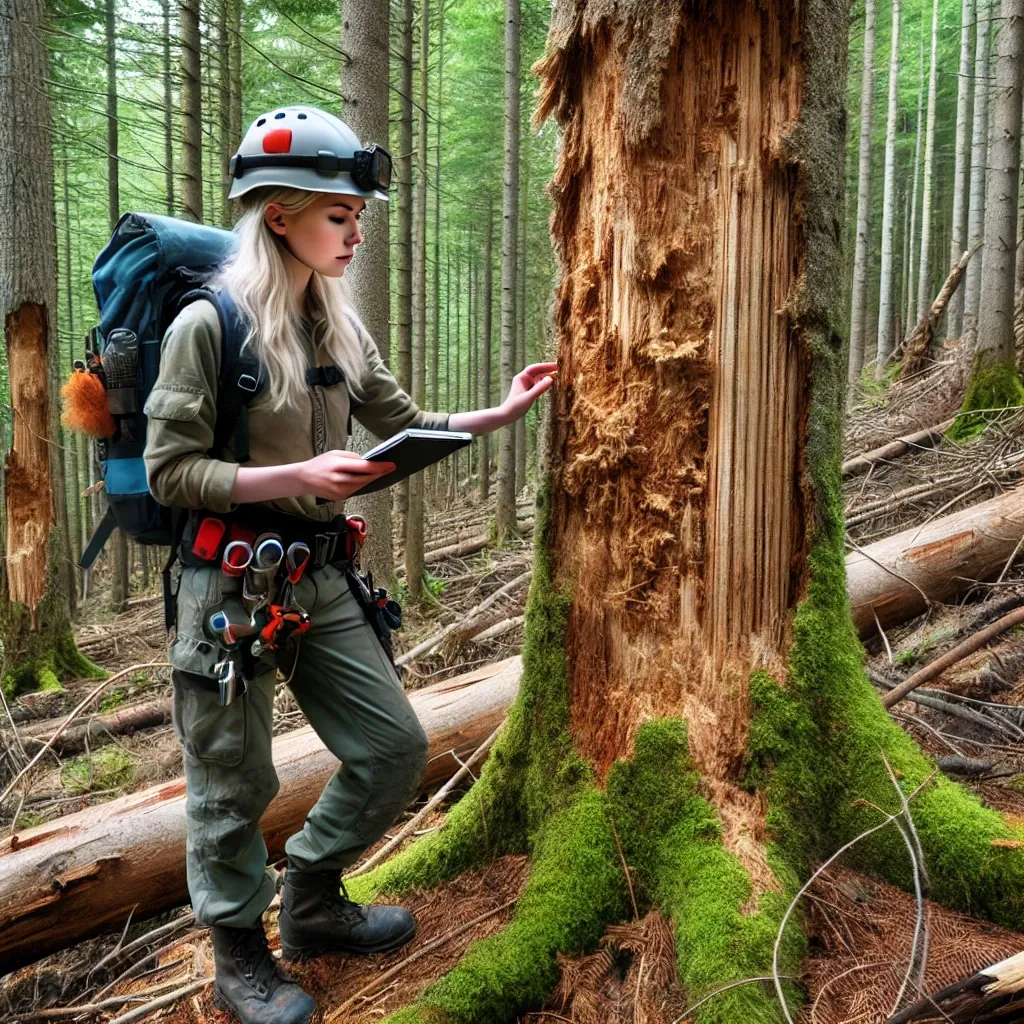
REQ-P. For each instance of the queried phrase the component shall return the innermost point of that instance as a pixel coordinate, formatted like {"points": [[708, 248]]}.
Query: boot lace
{"points": [[257, 964], [340, 906]]}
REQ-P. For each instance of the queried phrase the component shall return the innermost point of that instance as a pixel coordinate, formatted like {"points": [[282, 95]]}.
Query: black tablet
{"points": [[412, 450]]}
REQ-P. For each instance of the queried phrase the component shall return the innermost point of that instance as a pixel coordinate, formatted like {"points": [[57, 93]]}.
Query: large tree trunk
{"points": [[884, 342], [168, 110], [405, 201], [915, 250], [979, 157], [506, 503], [524, 206], [35, 627], [958, 240], [693, 714], [364, 84], [994, 349], [859, 298], [414, 518], [924, 285], [484, 364], [191, 112], [88, 872]]}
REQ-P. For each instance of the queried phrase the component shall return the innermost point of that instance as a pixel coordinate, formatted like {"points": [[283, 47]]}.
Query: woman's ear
{"points": [[274, 216]]}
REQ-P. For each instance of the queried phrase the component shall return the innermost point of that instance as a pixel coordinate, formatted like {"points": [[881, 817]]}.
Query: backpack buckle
{"points": [[247, 382]]}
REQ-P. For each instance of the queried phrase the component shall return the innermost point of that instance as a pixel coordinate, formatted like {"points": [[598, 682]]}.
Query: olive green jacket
{"points": [[182, 410]]}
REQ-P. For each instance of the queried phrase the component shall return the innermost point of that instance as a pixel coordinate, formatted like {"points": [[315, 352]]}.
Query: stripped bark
{"points": [[84, 873]]}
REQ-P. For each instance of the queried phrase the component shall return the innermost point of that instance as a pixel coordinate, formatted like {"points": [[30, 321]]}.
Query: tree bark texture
{"points": [[995, 317], [365, 85], [958, 241], [506, 503], [859, 299], [979, 157], [924, 288], [405, 201], [191, 112], [884, 342]]}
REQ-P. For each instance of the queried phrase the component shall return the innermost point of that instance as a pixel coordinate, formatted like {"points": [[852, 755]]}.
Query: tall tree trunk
{"points": [[458, 348], [924, 285], [859, 297], [521, 359], [915, 248], [485, 349], [414, 520], [191, 112], [506, 504], [404, 165], [979, 159], [35, 626], [693, 728], [74, 503], [994, 351], [235, 59], [435, 470], [119, 584], [365, 77], [884, 343], [168, 110], [955, 312], [224, 137]]}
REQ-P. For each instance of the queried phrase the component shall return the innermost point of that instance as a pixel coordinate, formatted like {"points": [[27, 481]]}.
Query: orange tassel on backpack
{"points": [[85, 405]]}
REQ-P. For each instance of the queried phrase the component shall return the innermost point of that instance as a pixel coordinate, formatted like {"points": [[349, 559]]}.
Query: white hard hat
{"points": [[307, 148]]}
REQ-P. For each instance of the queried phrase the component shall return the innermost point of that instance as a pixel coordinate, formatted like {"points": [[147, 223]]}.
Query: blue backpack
{"points": [[150, 269]]}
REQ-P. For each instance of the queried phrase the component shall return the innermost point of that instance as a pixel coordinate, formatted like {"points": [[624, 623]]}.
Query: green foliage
{"points": [[994, 388], [113, 699], [109, 768], [433, 585]]}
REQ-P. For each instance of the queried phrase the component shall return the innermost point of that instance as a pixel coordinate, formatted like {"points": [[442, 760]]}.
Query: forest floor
{"points": [[860, 929]]}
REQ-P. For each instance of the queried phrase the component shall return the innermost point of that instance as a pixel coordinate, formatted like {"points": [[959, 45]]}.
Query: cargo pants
{"points": [[351, 695]]}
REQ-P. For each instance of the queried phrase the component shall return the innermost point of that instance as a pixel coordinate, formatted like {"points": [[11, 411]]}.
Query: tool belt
{"points": [[329, 542], [267, 592]]}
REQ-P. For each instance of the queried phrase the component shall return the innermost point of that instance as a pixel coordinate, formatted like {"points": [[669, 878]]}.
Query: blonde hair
{"points": [[255, 276]]}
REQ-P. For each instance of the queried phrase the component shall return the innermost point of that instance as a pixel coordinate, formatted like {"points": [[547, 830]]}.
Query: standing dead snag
{"points": [[692, 684]]}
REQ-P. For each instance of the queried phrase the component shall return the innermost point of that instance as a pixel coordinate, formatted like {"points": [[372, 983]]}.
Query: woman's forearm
{"points": [[479, 421], [268, 483]]}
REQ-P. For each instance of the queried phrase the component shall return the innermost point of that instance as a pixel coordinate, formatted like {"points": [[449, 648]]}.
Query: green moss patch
{"points": [[996, 387]]}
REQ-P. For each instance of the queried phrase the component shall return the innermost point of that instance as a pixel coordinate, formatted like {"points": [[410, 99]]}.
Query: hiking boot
{"points": [[250, 983], [318, 917]]}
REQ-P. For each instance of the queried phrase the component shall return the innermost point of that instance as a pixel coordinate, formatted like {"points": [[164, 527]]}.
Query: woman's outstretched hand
{"points": [[527, 386]]}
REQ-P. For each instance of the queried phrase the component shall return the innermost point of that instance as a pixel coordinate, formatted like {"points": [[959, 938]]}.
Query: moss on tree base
{"points": [[997, 387]]}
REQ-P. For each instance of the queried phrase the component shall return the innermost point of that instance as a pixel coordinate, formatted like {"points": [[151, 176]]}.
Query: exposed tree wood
{"points": [[83, 873], [924, 438], [958, 653], [916, 346], [940, 559], [995, 994]]}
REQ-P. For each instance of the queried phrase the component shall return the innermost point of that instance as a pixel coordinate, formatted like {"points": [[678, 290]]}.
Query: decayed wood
{"points": [[924, 438], [84, 873], [916, 346], [892, 577]]}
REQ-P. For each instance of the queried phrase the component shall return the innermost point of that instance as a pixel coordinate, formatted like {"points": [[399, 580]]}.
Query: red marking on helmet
{"points": [[278, 141]]}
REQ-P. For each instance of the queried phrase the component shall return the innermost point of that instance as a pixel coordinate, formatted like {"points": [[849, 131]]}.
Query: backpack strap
{"points": [[241, 377]]}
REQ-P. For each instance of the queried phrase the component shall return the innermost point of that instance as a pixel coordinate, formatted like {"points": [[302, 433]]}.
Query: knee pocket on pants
{"points": [[210, 733]]}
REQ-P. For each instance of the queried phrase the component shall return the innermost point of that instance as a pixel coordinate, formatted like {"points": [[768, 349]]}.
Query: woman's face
{"points": [[324, 235]]}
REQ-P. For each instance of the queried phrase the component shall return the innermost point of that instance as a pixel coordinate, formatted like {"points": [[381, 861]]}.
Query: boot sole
{"points": [[222, 1004], [301, 953]]}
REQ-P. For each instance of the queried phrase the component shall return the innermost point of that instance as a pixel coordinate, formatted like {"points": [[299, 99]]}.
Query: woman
{"points": [[303, 180]]}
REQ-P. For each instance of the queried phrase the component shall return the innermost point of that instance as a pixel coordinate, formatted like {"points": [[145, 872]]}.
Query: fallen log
{"points": [[99, 729], [897, 577], [84, 873], [928, 437], [917, 343]]}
